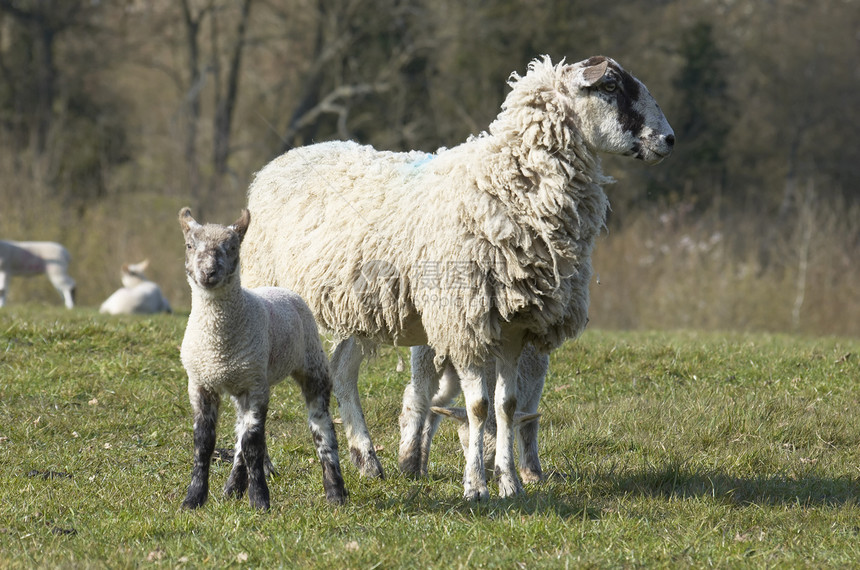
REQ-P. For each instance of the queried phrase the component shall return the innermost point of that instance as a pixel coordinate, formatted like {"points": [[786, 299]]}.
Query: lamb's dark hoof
{"points": [[191, 503]]}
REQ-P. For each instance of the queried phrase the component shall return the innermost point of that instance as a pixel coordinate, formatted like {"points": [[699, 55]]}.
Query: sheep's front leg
{"points": [[477, 404], [204, 407], [345, 362], [317, 392], [505, 406], [415, 411]]}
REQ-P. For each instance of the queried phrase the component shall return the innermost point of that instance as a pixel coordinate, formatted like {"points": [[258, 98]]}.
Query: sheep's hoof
{"points": [[509, 486], [410, 464], [336, 496], [191, 503], [481, 494], [531, 476], [259, 501], [367, 463]]}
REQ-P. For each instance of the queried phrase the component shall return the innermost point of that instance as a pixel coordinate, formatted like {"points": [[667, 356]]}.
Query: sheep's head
{"points": [[614, 111], [212, 250]]}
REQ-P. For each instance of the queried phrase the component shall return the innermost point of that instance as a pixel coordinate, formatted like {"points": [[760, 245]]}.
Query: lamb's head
{"points": [[614, 111], [212, 250]]}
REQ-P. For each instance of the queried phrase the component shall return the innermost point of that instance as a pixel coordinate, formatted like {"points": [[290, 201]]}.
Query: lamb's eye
{"points": [[610, 86], [188, 245]]}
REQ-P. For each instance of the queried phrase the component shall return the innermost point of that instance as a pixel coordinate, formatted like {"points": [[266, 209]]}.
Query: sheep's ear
{"points": [[590, 72], [186, 221], [240, 226]]}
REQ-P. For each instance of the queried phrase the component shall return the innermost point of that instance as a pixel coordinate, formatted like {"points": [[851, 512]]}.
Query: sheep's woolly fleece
{"points": [[443, 248]]}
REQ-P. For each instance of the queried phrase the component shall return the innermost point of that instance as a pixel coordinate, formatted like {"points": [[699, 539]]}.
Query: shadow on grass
{"points": [[678, 480], [538, 499]]}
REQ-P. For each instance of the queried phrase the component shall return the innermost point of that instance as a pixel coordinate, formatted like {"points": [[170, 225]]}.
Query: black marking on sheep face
{"points": [[615, 112]]}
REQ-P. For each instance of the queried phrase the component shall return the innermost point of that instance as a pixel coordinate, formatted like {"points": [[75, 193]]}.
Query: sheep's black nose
{"points": [[670, 140]]}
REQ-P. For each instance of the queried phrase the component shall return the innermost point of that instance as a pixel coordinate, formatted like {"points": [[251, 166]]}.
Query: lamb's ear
{"points": [[587, 73], [139, 267], [186, 221], [240, 226]]}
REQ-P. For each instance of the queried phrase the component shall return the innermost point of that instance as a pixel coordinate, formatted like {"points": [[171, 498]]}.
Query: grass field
{"points": [[660, 449]]}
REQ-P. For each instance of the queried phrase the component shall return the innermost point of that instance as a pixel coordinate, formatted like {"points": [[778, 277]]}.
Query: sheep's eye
{"points": [[188, 245], [610, 86]]}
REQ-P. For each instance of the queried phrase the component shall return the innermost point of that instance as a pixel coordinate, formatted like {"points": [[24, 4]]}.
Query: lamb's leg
{"points": [[533, 367], [345, 362], [413, 416], [237, 482], [448, 388], [204, 406], [3, 279], [477, 404], [253, 408], [316, 388], [505, 407]]}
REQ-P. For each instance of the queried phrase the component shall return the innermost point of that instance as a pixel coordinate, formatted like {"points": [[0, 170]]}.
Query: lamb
{"points": [[137, 294], [418, 424], [241, 342], [28, 258], [475, 251]]}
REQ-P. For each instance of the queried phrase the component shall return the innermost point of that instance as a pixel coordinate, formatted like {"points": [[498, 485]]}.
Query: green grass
{"points": [[661, 449]]}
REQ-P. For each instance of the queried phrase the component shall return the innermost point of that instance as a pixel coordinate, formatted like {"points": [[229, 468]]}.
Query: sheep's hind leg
{"points": [[205, 412], [317, 393], [448, 388], [533, 367], [415, 412], [345, 362]]}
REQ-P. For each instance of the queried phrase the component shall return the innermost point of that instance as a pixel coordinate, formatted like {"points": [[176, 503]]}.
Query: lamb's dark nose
{"points": [[670, 140]]}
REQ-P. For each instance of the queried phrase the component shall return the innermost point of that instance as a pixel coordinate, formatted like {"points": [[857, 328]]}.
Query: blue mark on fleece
{"points": [[423, 161]]}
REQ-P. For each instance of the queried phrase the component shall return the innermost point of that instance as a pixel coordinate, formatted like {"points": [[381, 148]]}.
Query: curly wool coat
{"points": [[444, 249]]}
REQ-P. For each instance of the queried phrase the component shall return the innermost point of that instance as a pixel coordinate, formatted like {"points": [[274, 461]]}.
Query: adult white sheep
{"points": [[28, 258], [242, 342], [475, 250], [137, 294]]}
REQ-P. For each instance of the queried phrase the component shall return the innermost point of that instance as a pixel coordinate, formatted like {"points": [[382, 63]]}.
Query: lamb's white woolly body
{"points": [[28, 258], [137, 294], [241, 342], [475, 250]]}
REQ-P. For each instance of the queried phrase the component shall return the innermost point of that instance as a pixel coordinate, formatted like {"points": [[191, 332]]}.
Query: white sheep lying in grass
{"points": [[28, 258], [427, 379], [476, 250], [137, 294], [241, 342]]}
